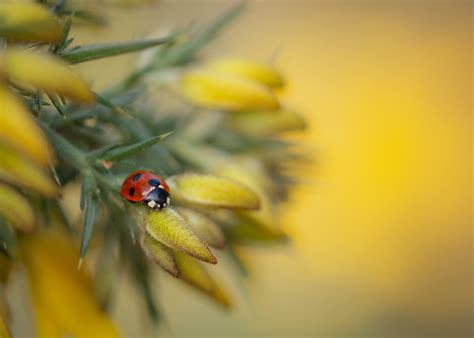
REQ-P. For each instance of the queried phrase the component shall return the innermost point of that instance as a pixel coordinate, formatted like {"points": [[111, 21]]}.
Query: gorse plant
{"points": [[217, 147]]}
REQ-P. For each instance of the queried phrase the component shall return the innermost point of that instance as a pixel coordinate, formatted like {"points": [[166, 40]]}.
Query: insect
{"points": [[145, 187]]}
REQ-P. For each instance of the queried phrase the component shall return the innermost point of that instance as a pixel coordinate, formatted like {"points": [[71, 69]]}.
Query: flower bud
{"points": [[252, 70], [16, 209], [264, 123], [28, 22], [45, 72], [195, 274], [160, 253], [204, 227], [213, 192], [216, 90], [169, 228], [18, 129]]}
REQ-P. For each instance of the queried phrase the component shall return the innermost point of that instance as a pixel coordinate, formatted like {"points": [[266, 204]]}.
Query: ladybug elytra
{"points": [[145, 187]]}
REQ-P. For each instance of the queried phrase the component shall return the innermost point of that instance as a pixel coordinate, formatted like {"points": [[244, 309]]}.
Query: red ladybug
{"points": [[146, 187]]}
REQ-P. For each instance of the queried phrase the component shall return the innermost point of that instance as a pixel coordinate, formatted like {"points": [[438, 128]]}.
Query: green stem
{"points": [[66, 150]]}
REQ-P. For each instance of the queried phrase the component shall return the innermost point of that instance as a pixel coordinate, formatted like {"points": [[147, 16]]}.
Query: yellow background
{"points": [[382, 220]]}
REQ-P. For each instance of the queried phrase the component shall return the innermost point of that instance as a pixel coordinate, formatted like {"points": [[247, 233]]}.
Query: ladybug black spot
{"points": [[131, 192], [136, 177], [154, 182]]}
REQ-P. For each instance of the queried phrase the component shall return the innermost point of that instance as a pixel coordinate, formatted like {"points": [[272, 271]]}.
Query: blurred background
{"points": [[381, 223]]}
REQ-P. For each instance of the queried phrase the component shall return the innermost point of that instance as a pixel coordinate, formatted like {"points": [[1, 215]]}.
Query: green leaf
{"points": [[89, 215], [148, 296], [8, 238], [94, 52], [212, 192], [65, 149], [107, 103], [65, 32], [88, 187], [57, 104], [141, 272], [160, 253], [39, 100], [122, 152], [75, 113], [66, 44], [97, 153], [168, 227], [180, 53], [183, 52]]}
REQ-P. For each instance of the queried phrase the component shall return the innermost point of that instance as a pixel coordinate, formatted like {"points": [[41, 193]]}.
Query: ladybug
{"points": [[146, 187]]}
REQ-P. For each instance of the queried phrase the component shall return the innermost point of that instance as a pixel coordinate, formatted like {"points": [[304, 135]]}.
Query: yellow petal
{"points": [[212, 191], [169, 228], [160, 253], [252, 70], [251, 173], [223, 91], [28, 22], [264, 123], [63, 296], [46, 72], [222, 296], [3, 329], [16, 209], [19, 130], [19, 170], [194, 273], [204, 227], [46, 326]]}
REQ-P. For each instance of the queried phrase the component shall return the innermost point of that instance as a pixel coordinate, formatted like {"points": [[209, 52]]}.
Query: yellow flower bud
{"points": [[4, 333], [264, 123], [63, 296], [45, 72], [28, 22], [20, 171], [160, 253], [216, 90], [19, 130], [212, 191], [195, 274], [256, 71], [169, 228], [204, 227], [251, 174], [16, 209]]}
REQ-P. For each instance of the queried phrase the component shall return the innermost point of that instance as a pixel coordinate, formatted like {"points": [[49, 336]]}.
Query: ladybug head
{"points": [[158, 198]]}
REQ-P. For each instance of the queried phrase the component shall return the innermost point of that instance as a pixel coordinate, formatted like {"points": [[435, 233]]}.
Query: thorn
{"points": [[79, 264]]}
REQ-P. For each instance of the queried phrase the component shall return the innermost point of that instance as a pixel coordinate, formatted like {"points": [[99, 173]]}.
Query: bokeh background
{"points": [[381, 223]]}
